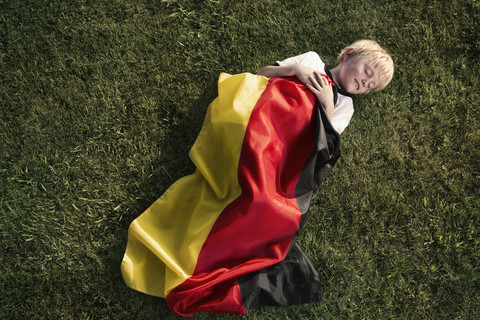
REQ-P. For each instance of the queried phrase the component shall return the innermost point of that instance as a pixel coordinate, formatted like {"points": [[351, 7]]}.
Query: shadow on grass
{"points": [[174, 163]]}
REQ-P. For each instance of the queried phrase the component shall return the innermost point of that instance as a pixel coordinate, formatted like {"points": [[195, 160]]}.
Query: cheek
{"points": [[352, 73]]}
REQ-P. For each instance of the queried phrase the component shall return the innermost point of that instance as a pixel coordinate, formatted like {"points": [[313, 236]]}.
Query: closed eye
{"points": [[368, 72]]}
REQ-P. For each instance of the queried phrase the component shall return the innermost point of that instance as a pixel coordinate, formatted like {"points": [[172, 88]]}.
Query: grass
{"points": [[101, 101]]}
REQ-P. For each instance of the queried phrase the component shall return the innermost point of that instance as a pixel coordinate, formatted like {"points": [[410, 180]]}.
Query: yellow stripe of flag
{"points": [[165, 241]]}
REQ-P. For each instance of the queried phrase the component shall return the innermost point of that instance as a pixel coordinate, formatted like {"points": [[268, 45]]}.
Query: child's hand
{"points": [[303, 73], [322, 89]]}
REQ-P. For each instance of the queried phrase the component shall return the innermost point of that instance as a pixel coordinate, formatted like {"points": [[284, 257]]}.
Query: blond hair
{"points": [[375, 55]]}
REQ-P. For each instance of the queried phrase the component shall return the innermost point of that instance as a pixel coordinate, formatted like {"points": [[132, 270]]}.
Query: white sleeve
{"points": [[309, 59], [342, 113]]}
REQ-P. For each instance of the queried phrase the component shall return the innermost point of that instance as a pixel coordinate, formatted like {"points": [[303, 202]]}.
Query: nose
{"points": [[366, 82]]}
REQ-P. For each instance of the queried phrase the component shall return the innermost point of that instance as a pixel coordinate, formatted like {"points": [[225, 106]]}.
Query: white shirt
{"points": [[343, 109]]}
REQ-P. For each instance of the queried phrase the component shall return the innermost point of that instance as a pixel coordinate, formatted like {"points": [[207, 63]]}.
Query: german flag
{"points": [[223, 238]]}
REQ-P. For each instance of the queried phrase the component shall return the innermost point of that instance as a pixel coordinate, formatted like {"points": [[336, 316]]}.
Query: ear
{"points": [[346, 55]]}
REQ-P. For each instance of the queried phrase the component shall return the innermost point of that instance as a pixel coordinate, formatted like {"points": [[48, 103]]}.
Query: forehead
{"points": [[368, 62]]}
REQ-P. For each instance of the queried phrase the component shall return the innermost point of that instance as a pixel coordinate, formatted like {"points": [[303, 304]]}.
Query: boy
{"points": [[362, 67], [223, 239]]}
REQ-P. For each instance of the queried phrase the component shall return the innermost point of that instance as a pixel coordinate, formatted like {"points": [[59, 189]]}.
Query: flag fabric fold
{"points": [[223, 238]]}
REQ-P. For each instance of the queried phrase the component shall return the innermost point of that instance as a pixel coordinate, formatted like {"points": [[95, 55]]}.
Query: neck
{"points": [[335, 75]]}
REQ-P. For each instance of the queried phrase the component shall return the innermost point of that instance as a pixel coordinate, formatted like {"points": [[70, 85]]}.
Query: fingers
{"points": [[320, 78], [317, 81], [313, 84], [319, 85]]}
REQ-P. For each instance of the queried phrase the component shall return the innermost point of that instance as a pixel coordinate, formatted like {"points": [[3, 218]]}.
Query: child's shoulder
{"points": [[308, 59], [312, 59], [309, 56], [312, 54]]}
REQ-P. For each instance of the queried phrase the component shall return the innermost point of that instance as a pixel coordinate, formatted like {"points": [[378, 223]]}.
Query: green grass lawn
{"points": [[100, 102]]}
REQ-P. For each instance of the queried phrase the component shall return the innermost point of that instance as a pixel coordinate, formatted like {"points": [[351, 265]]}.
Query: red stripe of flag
{"points": [[255, 230]]}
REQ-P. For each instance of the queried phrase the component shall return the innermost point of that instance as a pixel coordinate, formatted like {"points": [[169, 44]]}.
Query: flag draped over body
{"points": [[223, 238]]}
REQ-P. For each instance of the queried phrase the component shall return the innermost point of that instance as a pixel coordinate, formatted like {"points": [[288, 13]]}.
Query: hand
{"points": [[303, 73], [322, 90]]}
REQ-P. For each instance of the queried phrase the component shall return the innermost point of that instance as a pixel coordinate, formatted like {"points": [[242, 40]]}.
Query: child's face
{"points": [[357, 76]]}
